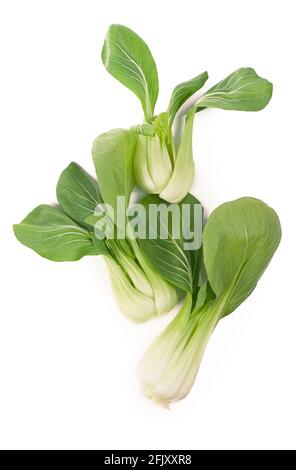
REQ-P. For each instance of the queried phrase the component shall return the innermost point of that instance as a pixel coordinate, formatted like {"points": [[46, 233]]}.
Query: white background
{"points": [[67, 356]]}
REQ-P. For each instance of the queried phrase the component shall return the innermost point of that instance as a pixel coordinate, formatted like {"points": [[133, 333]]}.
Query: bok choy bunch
{"points": [[239, 241], [71, 230], [214, 265], [164, 164]]}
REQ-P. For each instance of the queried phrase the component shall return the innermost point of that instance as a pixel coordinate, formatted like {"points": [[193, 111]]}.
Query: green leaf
{"points": [[55, 236], [183, 92], [161, 126], [78, 193], [112, 154], [168, 256], [239, 241], [144, 129], [242, 90], [127, 57]]}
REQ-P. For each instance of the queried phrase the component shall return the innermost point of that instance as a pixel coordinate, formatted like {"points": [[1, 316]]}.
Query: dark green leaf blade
{"points": [[78, 193], [127, 57], [55, 236], [239, 241], [168, 256], [183, 92], [242, 90]]}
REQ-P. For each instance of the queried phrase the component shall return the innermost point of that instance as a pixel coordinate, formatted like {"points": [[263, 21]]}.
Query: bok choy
{"points": [[167, 251], [67, 233], [162, 165], [239, 241]]}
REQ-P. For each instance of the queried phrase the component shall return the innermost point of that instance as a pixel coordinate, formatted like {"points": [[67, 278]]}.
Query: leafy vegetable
{"points": [[69, 232], [162, 165], [112, 155], [127, 57], [215, 267], [239, 241]]}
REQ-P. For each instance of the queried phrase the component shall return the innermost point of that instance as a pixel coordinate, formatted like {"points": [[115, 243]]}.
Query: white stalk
{"points": [[168, 368], [133, 303], [181, 181], [152, 164], [164, 294]]}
